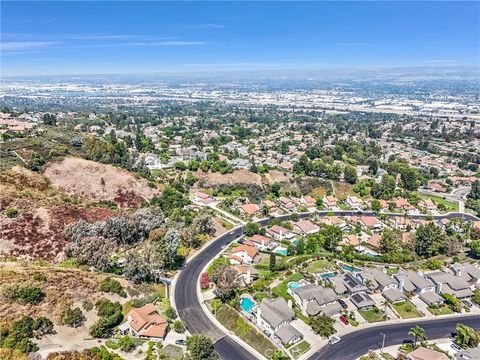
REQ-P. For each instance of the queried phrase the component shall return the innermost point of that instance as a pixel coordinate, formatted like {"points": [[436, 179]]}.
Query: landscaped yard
{"points": [[318, 266], [392, 271], [406, 310], [373, 315], [171, 352], [233, 321], [299, 349], [259, 296], [442, 310], [281, 289]]}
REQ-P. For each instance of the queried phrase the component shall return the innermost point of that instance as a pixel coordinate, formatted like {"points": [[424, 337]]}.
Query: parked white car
{"points": [[334, 339]]}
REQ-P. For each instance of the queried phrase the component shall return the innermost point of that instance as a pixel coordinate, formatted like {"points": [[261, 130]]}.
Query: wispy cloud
{"points": [[439, 61], [24, 45], [209, 26]]}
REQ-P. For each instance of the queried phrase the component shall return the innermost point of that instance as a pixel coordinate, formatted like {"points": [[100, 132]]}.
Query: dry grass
{"points": [[242, 176], [61, 286], [82, 179], [11, 354]]}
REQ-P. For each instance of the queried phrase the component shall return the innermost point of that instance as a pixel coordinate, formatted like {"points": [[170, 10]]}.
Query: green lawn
{"points": [[171, 352], [406, 310], [281, 289], [259, 296], [225, 224], [442, 310], [233, 321], [450, 205], [373, 315], [387, 356], [112, 344], [392, 271], [319, 265], [299, 349]]}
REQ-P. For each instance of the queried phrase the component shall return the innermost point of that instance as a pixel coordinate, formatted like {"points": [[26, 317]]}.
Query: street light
{"points": [[383, 342]]}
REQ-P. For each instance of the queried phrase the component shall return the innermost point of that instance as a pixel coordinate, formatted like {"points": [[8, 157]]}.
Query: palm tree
{"points": [[418, 333]]}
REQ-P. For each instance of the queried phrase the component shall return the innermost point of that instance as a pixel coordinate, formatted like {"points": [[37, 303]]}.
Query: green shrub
{"points": [[22, 293], [110, 285], [11, 213], [39, 277]]}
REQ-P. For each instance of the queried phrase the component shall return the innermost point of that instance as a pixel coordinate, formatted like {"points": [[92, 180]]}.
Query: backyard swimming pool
{"points": [[296, 284], [281, 251], [293, 285], [328, 275], [247, 304], [350, 268]]}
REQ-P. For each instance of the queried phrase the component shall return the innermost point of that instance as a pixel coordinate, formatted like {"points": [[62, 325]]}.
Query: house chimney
{"points": [[401, 283]]}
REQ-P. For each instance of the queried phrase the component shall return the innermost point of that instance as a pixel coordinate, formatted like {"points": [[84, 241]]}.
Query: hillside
{"points": [[84, 179], [33, 215]]}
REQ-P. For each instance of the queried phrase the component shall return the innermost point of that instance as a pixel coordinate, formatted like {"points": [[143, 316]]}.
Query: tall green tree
{"points": [[273, 262], [428, 240], [466, 336], [200, 347]]}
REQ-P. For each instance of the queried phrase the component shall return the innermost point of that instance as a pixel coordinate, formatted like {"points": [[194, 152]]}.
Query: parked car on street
{"points": [[456, 347], [333, 340]]}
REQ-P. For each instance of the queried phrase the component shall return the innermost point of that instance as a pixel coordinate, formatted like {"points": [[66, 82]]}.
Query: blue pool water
{"points": [[350, 268], [247, 305], [328, 275], [293, 285], [283, 252]]}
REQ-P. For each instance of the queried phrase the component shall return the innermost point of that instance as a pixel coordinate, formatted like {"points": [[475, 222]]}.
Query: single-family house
{"points": [[305, 227], [423, 353], [287, 203], [330, 202], [362, 301], [243, 254], [249, 209], [428, 204], [308, 202], [354, 202], [260, 242], [448, 283], [376, 279], [312, 299], [280, 233], [468, 272], [145, 322], [274, 316], [203, 198]]}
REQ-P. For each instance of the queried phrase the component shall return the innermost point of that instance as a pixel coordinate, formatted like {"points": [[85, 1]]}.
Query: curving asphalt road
{"points": [[197, 322]]}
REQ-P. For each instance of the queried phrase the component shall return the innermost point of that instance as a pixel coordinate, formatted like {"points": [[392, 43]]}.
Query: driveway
{"points": [[420, 305], [306, 330]]}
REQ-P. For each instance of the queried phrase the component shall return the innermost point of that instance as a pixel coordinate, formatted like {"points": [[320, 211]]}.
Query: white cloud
{"points": [[434, 61], [211, 26], [24, 45]]}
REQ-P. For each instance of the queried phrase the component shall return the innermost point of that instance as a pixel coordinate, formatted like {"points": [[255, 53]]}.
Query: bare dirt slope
{"points": [[212, 179], [42, 213], [83, 179]]}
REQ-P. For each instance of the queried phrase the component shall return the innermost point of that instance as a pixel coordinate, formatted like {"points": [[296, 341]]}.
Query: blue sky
{"points": [[63, 37]]}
